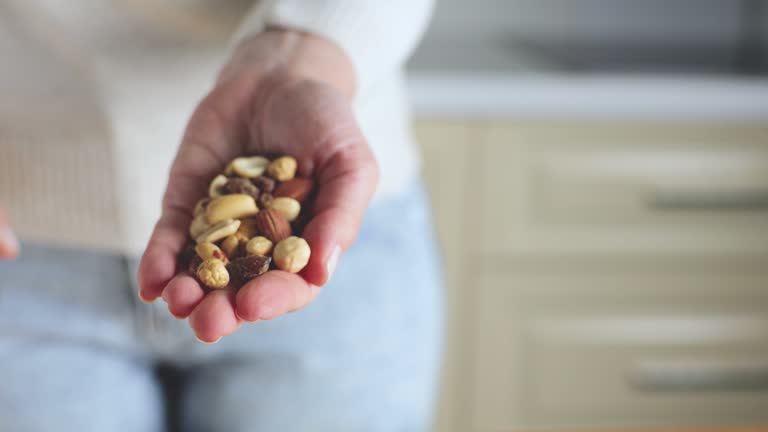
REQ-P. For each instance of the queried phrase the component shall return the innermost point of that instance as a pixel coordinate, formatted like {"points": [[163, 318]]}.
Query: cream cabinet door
{"points": [[445, 148], [558, 187], [604, 343]]}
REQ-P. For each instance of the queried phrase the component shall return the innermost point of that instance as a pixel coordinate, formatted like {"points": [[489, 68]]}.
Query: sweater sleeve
{"points": [[377, 35]]}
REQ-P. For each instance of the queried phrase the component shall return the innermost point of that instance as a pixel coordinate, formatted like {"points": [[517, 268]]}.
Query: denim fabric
{"points": [[78, 351]]}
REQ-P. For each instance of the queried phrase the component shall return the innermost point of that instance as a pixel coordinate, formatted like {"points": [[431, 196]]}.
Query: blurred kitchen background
{"points": [[599, 170], [599, 175]]}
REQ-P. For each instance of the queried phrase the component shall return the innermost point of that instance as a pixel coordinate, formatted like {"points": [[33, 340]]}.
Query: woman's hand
{"points": [[9, 246], [283, 93]]}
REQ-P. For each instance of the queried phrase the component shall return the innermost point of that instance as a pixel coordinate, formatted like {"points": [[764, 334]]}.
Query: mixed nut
{"points": [[246, 225]]}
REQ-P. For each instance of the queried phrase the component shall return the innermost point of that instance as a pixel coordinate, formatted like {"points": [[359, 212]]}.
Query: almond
{"points": [[272, 224], [297, 188]]}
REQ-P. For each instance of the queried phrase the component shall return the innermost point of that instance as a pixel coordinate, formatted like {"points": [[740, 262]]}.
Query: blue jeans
{"points": [[78, 352]]}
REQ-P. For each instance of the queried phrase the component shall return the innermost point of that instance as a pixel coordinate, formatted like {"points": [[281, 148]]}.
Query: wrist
{"points": [[295, 54]]}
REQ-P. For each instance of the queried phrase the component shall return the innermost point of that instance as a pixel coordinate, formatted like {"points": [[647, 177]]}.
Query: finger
{"points": [[273, 294], [346, 183], [158, 264], [204, 149], [9, 245], [182, 295], [215, 316]]}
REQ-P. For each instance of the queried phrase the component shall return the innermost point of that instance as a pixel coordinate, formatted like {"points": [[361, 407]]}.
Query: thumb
{"points": [[347, 181]]}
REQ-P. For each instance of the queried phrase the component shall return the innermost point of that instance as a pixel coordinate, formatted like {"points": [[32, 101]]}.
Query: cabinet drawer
{"points": [[566, 350], [635, 187]]}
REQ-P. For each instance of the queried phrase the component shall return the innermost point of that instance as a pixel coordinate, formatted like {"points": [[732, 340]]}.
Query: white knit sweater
{"points": [[140, 67]]}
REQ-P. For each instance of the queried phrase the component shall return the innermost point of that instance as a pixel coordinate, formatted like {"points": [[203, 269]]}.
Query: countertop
{"points": [[588, 95]]}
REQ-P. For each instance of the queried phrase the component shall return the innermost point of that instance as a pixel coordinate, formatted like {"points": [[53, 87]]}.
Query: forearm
{"points": [[298, 54]]}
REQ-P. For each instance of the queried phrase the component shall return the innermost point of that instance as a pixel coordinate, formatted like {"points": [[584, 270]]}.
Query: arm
{"points": [[376, 36]]}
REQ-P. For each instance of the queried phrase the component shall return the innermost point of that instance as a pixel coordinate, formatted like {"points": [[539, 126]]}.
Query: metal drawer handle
{"points": [[712, 200], [698, 376]]}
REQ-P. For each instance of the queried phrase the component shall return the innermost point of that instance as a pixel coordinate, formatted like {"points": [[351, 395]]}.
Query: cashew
{"points": [[216, 188], [249, 167], [233, 206], [218, 231], [201, 205], [199, 225]]}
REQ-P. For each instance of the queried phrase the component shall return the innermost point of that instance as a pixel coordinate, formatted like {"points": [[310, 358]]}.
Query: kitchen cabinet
{"points": [[601, 273]]}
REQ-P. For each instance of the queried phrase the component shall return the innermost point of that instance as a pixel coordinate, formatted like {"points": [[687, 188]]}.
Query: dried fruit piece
{"points": [[186, 255], [298, 188], [216, 188], [249, 167], [272, 224], [213, 273], [246, 268], [258, 246], [288, 207], [233, 206], [292, 254], [242, 186], [265, 199], [282, 168], [264, 183], [219, 231], [194, 264]]}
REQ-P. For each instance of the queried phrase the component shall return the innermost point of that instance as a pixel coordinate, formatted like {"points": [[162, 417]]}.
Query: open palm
{"points": [[274, 113]]}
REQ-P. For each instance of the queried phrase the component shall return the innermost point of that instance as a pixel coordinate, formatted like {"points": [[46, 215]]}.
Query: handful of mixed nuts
{"points": [[246, 225]]}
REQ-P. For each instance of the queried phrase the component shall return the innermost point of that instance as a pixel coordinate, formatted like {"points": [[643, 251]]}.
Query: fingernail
{"points": [[332, 261], [9, 238], [144, 299], [207, 343]]}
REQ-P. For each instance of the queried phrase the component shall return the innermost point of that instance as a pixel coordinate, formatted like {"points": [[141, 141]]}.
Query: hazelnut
{"points": [[233, 206], [261, 246], [288, 207], [249, 167], [213, 273], [216, 188], [208, 250], [291, 254], [282, 168]]}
